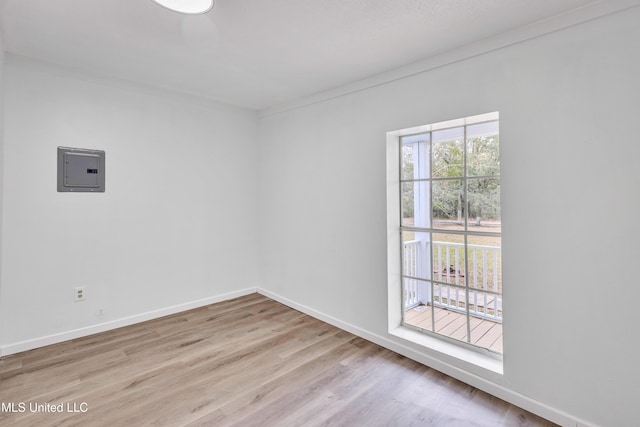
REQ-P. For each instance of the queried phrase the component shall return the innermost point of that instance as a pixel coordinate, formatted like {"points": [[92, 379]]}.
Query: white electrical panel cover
{"points": [[80, 170]]}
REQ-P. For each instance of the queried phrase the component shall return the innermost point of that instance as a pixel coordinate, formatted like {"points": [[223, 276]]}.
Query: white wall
{"points": [[175, 225], [1, 165], [569, 103]]}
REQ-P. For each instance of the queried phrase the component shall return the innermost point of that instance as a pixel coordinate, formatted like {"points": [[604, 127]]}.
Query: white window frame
{"points": [[440, 344]]}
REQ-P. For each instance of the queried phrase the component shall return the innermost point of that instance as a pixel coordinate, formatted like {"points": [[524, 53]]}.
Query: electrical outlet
{"points": [[79, 294]]}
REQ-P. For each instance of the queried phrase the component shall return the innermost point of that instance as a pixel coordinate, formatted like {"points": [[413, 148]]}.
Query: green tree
{"points": [[448, 165]]}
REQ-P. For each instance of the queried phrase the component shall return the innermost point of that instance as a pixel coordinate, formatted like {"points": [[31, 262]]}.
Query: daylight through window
{"points": [[451, 230]]}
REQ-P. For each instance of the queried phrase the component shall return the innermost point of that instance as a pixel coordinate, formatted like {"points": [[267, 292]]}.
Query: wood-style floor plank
{"points": [[245, 362]]}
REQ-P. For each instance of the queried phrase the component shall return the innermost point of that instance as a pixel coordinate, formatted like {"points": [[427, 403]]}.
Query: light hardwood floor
{"points": [[246, 362]]}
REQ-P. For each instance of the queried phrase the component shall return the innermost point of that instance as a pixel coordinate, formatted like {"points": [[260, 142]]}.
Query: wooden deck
{"points": [[484, 333]]}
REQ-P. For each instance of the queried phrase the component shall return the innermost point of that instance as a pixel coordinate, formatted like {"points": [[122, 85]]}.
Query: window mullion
{"points": [[466, 229]]}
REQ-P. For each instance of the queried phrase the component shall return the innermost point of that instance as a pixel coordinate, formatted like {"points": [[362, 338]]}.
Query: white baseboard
{"points": [[467, 377], [118, 323]]}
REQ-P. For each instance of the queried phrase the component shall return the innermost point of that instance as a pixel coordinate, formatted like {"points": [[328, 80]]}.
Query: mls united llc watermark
{"points": [[45, 407]]}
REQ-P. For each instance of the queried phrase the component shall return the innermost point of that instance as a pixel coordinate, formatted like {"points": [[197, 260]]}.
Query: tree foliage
{"points": [[448, 196]]}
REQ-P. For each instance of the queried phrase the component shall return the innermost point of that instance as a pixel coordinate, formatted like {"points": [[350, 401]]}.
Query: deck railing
{"points": [[448, 285], [410, 268]]}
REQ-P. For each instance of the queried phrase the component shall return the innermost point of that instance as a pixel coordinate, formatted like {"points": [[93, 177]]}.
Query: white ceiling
{"points": [[257, 53]]}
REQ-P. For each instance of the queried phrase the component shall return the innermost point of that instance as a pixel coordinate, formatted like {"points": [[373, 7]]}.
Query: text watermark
{"points": [[44, 407]]}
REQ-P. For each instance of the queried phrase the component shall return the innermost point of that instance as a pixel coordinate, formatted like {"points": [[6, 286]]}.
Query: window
{"points": [[450, 230]]}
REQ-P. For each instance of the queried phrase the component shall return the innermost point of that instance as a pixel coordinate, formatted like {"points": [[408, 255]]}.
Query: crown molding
{"points": [[553, 24]]}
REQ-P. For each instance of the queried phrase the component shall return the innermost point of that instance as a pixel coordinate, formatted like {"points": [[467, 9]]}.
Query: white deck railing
{"points": [[410, 268], [484, 296]]}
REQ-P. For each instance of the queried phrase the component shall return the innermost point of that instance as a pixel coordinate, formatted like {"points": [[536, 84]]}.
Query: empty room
{"points": [[302, 213]]}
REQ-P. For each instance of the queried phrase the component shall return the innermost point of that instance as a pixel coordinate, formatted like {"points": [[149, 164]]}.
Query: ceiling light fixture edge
{"points": [[189, 7]]}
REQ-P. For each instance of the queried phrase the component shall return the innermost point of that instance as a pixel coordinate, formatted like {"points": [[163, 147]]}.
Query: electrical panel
{"points": [[80, 170]]}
